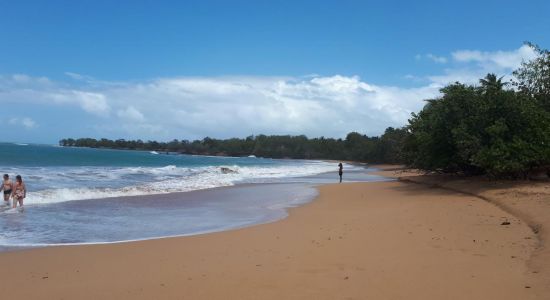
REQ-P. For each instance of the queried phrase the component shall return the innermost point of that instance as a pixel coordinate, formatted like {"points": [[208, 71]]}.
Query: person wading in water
{"points": [[7, 186], [19, 192], [340, 171]]}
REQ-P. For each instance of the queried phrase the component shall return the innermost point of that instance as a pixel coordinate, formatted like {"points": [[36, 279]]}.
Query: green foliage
{"points": [[476, 130], [355, 147], [486, 129], [533, 77], [389, 146]]}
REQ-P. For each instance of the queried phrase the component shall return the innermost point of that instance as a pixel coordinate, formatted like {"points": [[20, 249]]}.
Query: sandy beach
{"points": [[383, 240], [274, 150], [529, 200]]}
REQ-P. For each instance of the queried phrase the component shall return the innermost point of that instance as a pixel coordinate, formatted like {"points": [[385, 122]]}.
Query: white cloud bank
{"points": [[194, 107]]}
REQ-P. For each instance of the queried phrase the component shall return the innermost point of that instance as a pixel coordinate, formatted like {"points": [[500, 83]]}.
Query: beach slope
{"points": [[383, 240]]}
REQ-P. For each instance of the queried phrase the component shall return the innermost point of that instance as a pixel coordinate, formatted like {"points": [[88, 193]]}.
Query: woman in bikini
{"points": [[19, 192], [7, 186]]}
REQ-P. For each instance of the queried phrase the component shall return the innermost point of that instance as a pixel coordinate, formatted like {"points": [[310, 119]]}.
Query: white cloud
{"points": [[194, 107], [437, 59], [80, 77], [471, 65], [24, 89], [26, 122], [468, 66], [22, 79], [95, 103], [131, 113], [75, 76], [91, 102], [500, 59], [432, 57]]}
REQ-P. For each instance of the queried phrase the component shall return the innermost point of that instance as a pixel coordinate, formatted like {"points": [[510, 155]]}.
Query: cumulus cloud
{"points": [[24, 89], [92, 102], [131, 113], [95, 103], [238, 106], [194, 107]]}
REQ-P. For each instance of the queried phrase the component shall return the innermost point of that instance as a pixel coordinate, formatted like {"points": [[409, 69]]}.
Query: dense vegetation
{"points": [[355, 147], [487, 129], [497, 128]]}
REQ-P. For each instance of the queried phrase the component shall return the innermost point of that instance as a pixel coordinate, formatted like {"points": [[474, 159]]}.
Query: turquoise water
{"points": [[57, 174], [23, 155], [80, 195]]}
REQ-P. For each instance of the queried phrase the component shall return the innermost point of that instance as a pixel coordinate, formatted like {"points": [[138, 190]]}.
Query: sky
{"points": [[163, 70]]}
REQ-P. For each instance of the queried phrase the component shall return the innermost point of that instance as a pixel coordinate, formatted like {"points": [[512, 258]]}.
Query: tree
{"points": [[492, 84], [533, 77], [475, 130], [390, 145], [433, 143]]}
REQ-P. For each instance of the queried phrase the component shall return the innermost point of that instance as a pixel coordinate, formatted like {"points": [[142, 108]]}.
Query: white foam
{"points": [[97, 182], [14, 210]]}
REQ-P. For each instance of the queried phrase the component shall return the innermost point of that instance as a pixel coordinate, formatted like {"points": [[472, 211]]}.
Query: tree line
{"points": [[497, 128], [355, 146]]}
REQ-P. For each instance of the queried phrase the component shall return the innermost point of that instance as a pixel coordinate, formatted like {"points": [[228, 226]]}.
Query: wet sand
{"points": [[133, 218], [383, 240]]}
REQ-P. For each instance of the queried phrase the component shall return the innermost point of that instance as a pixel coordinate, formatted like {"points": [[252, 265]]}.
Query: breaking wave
{"points": [[59, 184]]}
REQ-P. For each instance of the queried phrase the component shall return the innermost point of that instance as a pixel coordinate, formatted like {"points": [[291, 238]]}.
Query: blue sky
{"points": [[164, 70]]}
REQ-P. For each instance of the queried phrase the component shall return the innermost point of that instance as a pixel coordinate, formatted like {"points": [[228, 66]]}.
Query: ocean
{"points": [[83, 196]]}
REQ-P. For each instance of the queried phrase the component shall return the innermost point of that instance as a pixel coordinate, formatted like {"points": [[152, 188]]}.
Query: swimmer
{"points": [[7, 186], [19, 192]]}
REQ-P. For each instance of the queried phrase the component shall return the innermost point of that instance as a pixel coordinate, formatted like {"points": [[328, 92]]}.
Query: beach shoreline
{"points": [[381, 240], [302, 194], [172, 214]]}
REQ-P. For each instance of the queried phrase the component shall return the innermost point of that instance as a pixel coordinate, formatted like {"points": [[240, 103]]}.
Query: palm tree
{"points": [[491, 83]]}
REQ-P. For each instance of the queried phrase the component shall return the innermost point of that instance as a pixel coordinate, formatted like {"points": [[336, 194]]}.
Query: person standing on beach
{"points": [[19, 192], [340, 171], [7, 186]]}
